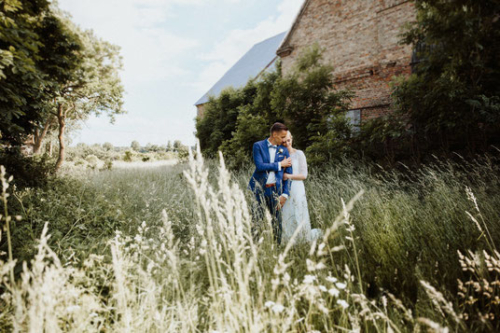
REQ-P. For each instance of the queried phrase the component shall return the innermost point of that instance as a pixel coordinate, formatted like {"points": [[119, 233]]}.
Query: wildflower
{"points": [[269, 304], [334, 292], [309, 279], [341, 285], [322, 288], [72, 308], [331, 279], [278, 308], [342, 303]]}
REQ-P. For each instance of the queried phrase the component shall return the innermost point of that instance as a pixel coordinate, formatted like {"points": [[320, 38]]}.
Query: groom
{"points": [[271, 160]]}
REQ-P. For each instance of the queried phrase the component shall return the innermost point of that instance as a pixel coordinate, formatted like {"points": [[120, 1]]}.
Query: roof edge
{"points": [[284, 47]]}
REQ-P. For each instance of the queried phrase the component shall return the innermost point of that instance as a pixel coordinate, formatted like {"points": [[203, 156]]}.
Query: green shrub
{"points": [[93, 161], [129, 156], [27, 171]]}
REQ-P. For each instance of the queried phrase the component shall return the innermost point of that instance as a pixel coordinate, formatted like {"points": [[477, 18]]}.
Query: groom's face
{"points": [[279, 137]]}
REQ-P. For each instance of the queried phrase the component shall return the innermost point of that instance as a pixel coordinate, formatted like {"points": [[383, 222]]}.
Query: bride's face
{"points": [[288, 141]]}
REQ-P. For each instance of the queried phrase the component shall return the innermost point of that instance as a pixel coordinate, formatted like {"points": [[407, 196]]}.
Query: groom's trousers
{"points": [[269, 200]]}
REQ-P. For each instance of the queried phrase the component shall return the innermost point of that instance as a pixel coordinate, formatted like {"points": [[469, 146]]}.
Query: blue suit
{"points": [[269, 195]]}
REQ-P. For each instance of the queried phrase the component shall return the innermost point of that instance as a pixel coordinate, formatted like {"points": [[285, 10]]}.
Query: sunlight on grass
{"points": [[181, 255]]}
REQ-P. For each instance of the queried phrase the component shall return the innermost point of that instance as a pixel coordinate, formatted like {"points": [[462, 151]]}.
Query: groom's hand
{"points": [[282, 201], [287, 162]]}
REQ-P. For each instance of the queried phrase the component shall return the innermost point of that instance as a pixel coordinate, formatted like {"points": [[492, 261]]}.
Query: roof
{"points": [[284, 44], [260, 58]]}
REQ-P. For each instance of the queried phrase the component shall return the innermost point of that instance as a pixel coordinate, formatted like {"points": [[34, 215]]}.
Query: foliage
{"points": [[219, 120], [95, 86], [36, 54], [304, 99], [253, 121], [201, 258], [108, 146], [135, 145], [452, 100], [27, 171], [313, 109]]}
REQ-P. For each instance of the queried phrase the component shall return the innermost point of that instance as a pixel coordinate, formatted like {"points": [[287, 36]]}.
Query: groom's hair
{"points": [[278, 127]]}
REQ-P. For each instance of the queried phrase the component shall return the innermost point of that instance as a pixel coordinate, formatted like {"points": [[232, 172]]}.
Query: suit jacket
{"points": [[263, 166]]}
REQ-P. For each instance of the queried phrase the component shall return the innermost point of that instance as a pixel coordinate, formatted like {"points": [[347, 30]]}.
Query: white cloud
{"points": [[149, 50], [159, 62], [237, 42]]}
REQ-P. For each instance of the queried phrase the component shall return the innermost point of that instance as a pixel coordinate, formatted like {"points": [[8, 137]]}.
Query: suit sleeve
{"points": [[259, 161], [287, 183]]}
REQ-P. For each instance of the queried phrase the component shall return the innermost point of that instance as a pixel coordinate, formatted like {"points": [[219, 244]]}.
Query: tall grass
{"points": [[173, 249]]}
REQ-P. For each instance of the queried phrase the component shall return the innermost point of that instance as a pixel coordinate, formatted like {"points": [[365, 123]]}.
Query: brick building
{"points": [[360, 39]]}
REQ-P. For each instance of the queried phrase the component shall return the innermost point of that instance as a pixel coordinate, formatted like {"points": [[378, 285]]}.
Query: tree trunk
{"points": [[61, 118], [50, 148], [39, 137]]}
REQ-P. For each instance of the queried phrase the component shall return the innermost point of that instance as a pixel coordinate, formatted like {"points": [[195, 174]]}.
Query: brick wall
{"points": [[201, 110], [360, 38]]}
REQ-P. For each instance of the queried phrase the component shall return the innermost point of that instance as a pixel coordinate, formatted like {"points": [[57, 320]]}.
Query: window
{"points": [[354, 119]]}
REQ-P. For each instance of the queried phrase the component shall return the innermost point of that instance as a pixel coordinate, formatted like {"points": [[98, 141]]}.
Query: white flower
{"points": [[269, 304], [342, 303], [341, 285], [72, 308], [331, 279], [309, 279], [334, 292], [322, 288], [278, 308]]}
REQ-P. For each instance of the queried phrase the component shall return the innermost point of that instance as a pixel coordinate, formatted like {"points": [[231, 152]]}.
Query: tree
{"points": [[94, 87], [253, 121], [177, 145], [219, 120], [314, 111], [108, 146], [169, 146], [36, 52], [305, 100], [452, 100], [135, 145]]}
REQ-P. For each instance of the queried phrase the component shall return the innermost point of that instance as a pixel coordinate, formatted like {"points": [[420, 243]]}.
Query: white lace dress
{"points": [[295, 211]]}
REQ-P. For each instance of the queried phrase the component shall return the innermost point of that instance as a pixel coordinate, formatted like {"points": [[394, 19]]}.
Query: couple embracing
{"points": [[278, 185]]}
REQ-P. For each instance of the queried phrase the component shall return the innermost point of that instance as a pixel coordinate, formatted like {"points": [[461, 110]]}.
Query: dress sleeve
{"points": [[302, 164]]}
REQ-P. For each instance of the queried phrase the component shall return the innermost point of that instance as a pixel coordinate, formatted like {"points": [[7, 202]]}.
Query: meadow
{"points": [[171, 249]]}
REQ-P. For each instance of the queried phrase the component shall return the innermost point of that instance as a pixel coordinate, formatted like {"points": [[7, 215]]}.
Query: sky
{"points": [[173, 52]]}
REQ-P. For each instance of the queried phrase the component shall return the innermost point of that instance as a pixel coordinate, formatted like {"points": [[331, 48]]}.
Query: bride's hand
{"points": [[286, 176]]}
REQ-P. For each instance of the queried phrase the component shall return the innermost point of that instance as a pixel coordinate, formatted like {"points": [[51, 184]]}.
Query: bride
{"points": [[295, 212]]}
